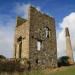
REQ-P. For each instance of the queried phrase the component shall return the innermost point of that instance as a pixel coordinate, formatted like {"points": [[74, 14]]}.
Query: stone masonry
{"points": [[69, 50], [35, 40]]}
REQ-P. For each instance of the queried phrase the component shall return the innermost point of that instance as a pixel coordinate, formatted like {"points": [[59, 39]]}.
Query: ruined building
{"points": [[69, 50], [35, 40]]}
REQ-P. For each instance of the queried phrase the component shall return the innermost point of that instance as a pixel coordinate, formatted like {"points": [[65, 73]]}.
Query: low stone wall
{"points": [[13, 73], [11, 65]]}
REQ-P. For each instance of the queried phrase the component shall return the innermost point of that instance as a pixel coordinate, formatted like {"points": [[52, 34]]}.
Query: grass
{"points": [[64, 71], [61, 71]]}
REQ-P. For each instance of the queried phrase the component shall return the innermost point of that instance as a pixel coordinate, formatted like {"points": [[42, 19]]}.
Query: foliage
{"points": [[2, 57], [63, 61]]}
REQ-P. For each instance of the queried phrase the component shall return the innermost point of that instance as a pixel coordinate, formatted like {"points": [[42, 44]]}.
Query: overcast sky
{"points": [[62, 10]]}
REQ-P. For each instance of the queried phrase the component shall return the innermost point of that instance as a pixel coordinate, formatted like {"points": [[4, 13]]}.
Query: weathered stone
{"points": [[69, 50], [40, 30]]}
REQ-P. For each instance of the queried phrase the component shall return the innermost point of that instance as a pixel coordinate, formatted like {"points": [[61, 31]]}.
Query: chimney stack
{"points": [[69, 50]]}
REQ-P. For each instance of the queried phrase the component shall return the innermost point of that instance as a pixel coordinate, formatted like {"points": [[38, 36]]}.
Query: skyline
{"points": [[62, 11]]}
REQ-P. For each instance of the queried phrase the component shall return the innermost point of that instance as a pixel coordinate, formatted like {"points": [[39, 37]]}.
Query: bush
{"points": [[63, 61]]}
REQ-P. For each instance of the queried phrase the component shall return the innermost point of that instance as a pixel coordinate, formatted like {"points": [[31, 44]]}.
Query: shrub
{"points": [[63, 61]]}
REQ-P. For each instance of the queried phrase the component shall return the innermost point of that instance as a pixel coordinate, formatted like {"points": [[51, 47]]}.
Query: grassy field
{"points": [[59, 71], [65, 71], [62, 71]]}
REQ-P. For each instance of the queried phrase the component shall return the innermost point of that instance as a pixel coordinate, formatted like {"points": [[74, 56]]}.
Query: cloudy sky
{"points": [[62, 10]]}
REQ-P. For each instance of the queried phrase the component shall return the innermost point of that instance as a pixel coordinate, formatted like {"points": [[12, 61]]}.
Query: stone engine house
{"points": [[35, 40]]}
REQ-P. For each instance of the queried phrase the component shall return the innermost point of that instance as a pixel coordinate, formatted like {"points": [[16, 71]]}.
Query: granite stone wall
{"points": [[38, 28], [46, 57], [22, 39]]}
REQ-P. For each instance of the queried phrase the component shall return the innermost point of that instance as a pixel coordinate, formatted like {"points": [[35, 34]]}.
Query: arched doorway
{"points": [[20, 46]]}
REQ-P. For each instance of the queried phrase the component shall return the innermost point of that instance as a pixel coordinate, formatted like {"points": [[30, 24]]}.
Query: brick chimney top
{"points": [[67, 31]]}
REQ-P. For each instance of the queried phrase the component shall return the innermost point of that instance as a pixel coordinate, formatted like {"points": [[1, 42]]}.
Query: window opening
{"points": [[39, 45]]}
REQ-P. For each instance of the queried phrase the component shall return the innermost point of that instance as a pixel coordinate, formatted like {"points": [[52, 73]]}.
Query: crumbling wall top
{"points": [[20, 21]]}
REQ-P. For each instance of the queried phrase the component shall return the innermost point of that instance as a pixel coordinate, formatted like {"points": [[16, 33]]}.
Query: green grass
{"points": [[65, 71], [61, 71]]}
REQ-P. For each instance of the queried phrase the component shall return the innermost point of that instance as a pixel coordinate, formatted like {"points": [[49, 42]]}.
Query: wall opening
{"points": [[15, 51], [19, 39], [20, 49], [47, 32], [37, 61], [20, 46], [39, 45]]}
